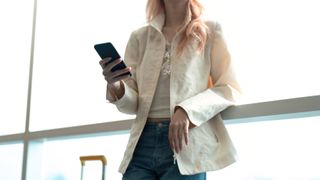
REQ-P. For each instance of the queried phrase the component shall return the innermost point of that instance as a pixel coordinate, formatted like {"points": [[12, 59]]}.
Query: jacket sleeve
{"points": [[225, 90], [128, 103]]}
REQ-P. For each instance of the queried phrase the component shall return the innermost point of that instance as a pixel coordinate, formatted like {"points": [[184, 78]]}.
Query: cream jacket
{"points": [[210, 147]]}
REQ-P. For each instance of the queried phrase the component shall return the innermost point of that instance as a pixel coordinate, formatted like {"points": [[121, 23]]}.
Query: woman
{"points": [[178, 132]]}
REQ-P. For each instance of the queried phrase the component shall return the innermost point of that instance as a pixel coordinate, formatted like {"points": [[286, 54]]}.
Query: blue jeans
{"points": [[153, 157]]}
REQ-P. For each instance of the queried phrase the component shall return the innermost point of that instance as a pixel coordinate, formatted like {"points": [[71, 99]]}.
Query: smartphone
{"points": [[108, 50]]}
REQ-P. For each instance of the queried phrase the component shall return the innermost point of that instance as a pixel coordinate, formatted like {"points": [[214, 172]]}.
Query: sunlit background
{"points": [[275, 50]]}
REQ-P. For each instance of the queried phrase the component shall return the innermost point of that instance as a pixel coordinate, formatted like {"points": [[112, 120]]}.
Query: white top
{"points": [[160, 107]]}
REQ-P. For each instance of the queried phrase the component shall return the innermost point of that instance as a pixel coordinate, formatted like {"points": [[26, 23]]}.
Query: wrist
{"points": [[117, 89], [184, 112], [114, 86]]}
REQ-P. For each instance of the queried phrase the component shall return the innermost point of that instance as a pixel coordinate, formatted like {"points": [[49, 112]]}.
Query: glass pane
{"points": [[62, 157], [274, 44], [277, 150], [267, 48], [11, 161], [69, 88], [15, 41]]}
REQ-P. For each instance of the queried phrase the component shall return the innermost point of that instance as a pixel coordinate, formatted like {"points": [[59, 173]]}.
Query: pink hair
{"points": [[196, 29]]}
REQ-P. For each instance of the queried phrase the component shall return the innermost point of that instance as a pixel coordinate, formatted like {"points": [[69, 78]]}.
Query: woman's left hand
{"points": [[179, 129]]}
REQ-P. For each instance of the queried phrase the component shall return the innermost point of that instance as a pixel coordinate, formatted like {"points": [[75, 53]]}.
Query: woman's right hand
{"points": [[113, 78]]}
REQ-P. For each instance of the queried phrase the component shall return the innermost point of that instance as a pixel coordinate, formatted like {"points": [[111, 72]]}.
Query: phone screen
{"points": [[108, 50]]}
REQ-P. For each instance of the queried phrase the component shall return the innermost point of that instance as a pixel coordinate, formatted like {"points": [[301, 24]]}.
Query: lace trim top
{"points": [[160, 106]]}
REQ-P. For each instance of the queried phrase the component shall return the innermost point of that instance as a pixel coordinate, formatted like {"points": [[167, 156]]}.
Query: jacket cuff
{"points": [[204, 106], [122, 103]]}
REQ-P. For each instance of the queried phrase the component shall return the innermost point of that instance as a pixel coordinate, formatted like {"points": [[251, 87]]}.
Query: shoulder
{"points": [[139, 32], [214, 29], [213, 26]]}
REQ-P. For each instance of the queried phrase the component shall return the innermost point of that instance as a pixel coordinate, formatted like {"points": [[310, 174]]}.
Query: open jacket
{"points": [[209, 147]]}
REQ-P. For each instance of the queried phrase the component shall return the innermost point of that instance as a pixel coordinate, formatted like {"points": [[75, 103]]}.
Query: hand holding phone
{"points": [[107, 50]]}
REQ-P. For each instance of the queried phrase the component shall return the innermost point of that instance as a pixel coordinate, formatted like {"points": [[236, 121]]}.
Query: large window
{"points": [[11, 161], [278, 150], [283, 149], [274, 48], [111, 146], [68, 87], [15, 41], [274, 54], [274, 45]]}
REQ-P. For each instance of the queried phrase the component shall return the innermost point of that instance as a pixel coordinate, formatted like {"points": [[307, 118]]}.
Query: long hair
{"points": [[195, 30]]}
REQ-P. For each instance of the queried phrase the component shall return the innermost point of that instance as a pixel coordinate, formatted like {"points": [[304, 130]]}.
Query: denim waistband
{"points": [[156, 126], [157, 123]]}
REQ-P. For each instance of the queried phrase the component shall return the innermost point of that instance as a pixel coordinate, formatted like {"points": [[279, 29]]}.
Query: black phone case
{"points": [[108, 50]]}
